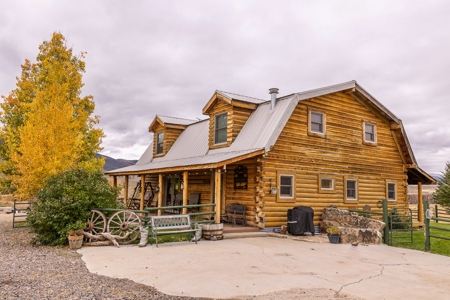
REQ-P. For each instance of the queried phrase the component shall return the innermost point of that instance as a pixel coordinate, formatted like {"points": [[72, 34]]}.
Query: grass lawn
{"points": [[438, 246]]}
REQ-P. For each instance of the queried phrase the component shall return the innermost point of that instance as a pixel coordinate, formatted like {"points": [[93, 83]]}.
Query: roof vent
{"points": [[273, 92]]}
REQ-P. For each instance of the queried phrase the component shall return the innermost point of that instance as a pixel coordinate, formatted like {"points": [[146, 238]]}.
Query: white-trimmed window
{"points": [[159, 142], [351, 189], [220, 128], [370, 132], [391, 191], [286, 186], [317, 123], [327, 184]]}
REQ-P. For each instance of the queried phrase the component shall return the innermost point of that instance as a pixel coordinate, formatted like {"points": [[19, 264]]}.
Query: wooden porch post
{"points": [[217, 194], [185, 191], [114, 181], [160, 193], [125, 190], [419, 202], [141, 207]]}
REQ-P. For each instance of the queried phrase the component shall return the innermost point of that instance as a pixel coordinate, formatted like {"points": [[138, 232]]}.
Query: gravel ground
{"points": [[40, 272]]}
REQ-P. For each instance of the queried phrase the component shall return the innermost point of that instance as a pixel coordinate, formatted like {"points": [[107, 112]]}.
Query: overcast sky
{"points": [[168, 57]]}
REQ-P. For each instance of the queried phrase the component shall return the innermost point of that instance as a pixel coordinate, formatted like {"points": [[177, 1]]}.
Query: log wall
{"points": [[170, 136], [341, 154]]}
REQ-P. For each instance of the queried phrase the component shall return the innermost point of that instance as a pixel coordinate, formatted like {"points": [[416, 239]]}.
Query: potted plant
{"points": [[273, 191], [333, 233], [75, 235]]}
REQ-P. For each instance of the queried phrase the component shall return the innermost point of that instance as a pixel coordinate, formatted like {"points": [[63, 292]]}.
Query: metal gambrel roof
{"points": [[259, 133]]}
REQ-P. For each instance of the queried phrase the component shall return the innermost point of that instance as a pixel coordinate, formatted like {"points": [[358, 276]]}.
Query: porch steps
{"points": [[241, 235]]}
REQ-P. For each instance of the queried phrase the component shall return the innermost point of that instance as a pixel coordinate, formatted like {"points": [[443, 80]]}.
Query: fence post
{"points": [[427, 225], [436, 214], [386, 221]]}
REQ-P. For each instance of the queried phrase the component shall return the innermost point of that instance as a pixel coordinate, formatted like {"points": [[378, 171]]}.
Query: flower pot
{"points": [[75, 241], [334, 238], [213, 229], [273, 192]]}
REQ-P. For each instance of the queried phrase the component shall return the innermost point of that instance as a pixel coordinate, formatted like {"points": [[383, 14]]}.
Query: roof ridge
{"points": [[241, 95], [176, 118]]}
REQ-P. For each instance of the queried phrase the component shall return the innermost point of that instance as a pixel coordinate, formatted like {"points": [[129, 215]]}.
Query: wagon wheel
{"points": [[95, 224], [123, 222]]}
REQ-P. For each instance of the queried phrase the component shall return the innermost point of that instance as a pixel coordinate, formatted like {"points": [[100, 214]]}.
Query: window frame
{"points": [[351, 200], [375, 134], [284, 198], [215, 142], [324, 123], [389, 182], [158, 143], [326, 190]]}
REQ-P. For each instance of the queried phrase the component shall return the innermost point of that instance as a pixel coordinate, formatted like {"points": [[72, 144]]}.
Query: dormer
{"points": [[227, 113], [165, 132]]}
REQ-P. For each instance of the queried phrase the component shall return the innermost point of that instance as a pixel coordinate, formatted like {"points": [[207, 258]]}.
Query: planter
{"points": [[273, 192], [334, 238], [75, 241], [214, 229]]}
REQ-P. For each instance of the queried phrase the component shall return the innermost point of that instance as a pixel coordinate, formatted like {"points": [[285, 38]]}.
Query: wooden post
{"points": [[125, 190], [185, 191], [141, 207], [114, 181], [419, 202], [217, 196], [160, 193]]}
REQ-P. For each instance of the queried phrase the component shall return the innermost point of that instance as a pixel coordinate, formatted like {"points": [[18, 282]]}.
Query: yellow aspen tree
{"points": [[48, 127]]}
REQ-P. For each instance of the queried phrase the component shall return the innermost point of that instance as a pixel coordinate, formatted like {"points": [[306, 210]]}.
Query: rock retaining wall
{"points": [[353, 228]]}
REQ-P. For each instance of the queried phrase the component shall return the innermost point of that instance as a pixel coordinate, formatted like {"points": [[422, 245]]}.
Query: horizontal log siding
{"points": [[170, 136], [245, 197], [240, 116], [220, 107], [200, 182], [341, 153]]}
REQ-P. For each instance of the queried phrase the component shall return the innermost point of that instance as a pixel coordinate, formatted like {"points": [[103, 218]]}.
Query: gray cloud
{"points": [[152, 57]]}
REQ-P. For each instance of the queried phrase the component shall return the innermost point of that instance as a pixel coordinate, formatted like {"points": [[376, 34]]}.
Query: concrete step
{"points": [[242, 235]]}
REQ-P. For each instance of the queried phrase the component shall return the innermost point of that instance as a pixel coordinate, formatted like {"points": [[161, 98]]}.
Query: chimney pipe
{"points": [[273, 92]]}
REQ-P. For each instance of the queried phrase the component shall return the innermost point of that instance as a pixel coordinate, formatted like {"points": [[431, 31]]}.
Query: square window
{"points": [[327, 184], [391, 191], [316, 122], [351, 189], [369, 132], [159, 142], [220, 128], [286, 186]]}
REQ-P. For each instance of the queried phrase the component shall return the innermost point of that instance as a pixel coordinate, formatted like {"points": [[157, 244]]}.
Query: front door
{"points": [[172, 195]]}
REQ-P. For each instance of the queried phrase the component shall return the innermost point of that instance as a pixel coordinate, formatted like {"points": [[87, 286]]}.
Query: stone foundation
{"points": [[353, 228]]}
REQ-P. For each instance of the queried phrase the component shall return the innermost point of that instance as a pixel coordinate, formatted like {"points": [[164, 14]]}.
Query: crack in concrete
{"points": [[359, 281]]}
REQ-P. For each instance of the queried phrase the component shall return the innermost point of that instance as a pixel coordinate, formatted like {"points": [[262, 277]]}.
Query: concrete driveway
{"points": [[257, 266]]}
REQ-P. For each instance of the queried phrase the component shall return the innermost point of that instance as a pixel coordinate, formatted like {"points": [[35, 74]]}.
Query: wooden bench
{"points": [[162, 225], [235, 212]]}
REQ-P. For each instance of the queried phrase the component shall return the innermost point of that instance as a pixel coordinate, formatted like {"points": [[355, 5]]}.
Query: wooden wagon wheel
{"points": [[95, 224], [123, 222]]}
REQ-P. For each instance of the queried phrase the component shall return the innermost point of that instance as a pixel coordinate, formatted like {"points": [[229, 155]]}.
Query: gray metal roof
{"points": [[240, 97], [174, 120], [259, 132]]}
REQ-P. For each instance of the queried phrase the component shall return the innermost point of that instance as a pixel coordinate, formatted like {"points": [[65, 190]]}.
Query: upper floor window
{"points": [[317, 124], [220, 128], [159, 142], [369, 132], [392, 191]]}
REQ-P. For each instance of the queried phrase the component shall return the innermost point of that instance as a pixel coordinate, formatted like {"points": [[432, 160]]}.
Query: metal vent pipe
{"points": [[273, 92]]}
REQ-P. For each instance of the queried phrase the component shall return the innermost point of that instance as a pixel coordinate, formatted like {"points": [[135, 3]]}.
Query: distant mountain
{"points": [[112, 164], [436, 176]]}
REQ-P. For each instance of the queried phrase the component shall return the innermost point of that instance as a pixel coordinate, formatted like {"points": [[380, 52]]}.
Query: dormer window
{"points": [[160, 142], [220, 128]]}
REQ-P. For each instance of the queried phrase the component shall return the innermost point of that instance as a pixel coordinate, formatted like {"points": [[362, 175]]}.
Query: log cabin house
{"points": [[335, 145]]}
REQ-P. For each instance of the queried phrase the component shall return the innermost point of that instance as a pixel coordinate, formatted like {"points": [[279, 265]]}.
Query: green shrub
{"points": [[65, 201], [399, 221]]}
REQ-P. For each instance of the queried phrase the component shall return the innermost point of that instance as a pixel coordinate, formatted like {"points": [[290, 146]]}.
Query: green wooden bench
{"points": [[174, 224]]}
